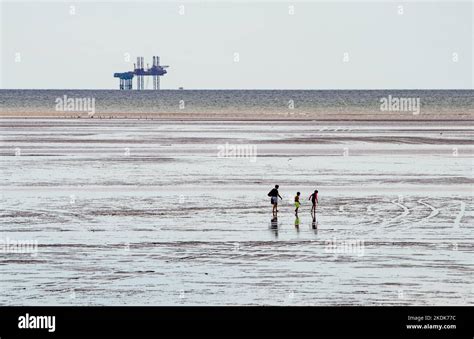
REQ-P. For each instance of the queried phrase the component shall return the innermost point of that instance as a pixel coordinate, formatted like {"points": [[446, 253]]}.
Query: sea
{"points": [[237, 101]]}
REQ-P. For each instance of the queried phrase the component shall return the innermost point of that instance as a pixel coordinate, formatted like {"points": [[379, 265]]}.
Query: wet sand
{"points": [[145, 212], [459, 115]]}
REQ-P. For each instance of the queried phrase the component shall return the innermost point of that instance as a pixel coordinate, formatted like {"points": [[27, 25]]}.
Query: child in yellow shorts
{"points": [[297, 202]]}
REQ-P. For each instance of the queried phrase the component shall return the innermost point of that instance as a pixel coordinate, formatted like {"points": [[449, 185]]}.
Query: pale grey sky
{"points": [[424, 45]]}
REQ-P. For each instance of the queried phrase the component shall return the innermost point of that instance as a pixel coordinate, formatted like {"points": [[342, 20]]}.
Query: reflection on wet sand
{"points": [[314, 225], [297, 224], [274, 226]]}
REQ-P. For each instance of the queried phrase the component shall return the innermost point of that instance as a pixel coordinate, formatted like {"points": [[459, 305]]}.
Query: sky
{"points": [[239, 44]]}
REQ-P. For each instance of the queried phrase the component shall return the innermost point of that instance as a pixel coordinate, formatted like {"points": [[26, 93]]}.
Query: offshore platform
{"points": [[139, 70]]}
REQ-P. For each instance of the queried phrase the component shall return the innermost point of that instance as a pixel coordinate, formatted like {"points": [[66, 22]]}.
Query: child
{"points": [[314, 199], [297, 202]]}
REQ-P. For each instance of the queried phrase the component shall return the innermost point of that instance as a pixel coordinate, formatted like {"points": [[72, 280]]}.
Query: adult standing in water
{"points": [[314, 199], [274, 195]]}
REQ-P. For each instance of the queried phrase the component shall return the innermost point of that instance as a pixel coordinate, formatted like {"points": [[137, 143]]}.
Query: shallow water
{"points": [[141, 212]]}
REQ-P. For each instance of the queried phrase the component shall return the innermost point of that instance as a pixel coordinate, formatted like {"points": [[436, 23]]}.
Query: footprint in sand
{"points": [[401, 216], [434, 210]]}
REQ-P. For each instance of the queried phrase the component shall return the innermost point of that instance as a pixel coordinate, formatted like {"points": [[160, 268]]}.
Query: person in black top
{"points": [[274, 198]]}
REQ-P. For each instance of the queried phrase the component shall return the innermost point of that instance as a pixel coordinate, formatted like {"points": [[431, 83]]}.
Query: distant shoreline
{"points": [[242, 90], [469, 118]]}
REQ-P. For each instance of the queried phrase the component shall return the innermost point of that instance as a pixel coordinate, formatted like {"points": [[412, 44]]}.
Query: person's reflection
{"points": [[274, 226], [297, 224], [314, 225]]}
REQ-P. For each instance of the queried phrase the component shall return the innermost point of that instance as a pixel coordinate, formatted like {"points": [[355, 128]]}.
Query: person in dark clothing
{"points": [[314, 199], [274, 195]]}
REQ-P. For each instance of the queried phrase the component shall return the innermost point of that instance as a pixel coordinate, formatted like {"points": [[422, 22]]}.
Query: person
{"points": [[274, 198], [314, 199], [297, 202]]}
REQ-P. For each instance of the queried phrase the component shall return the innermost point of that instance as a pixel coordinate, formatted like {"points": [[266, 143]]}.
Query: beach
{"points": [[166, 211]]}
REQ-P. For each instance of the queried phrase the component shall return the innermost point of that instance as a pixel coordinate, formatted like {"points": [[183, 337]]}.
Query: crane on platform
{"points": [[140, 71]]}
